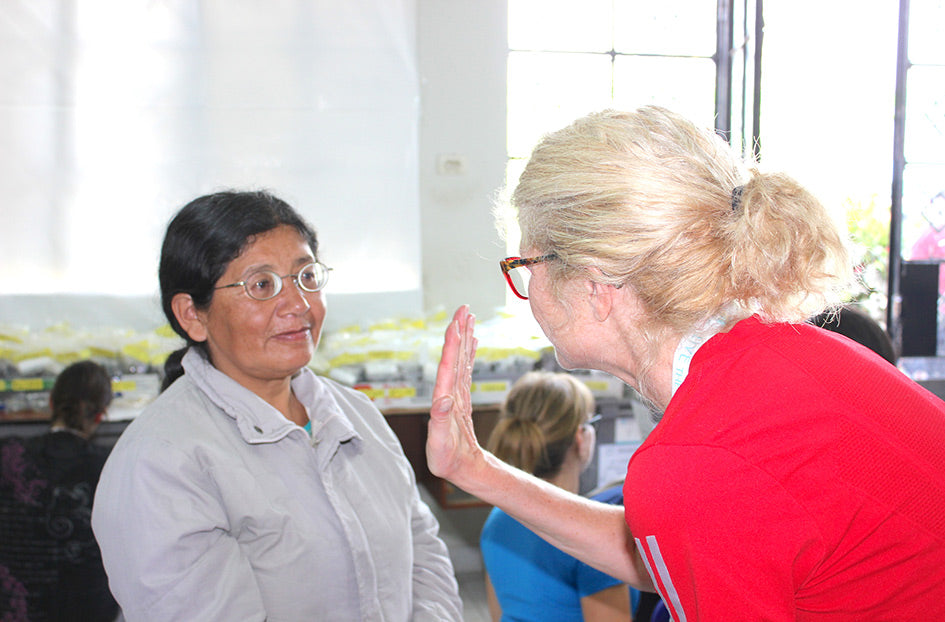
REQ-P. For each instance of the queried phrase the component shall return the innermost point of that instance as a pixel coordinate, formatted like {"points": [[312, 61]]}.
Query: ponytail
{"points": [[173, 369], [787, 260]]}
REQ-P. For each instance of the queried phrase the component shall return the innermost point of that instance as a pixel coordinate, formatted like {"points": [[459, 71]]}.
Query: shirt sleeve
{"points": [[165, 542], [590, 580], [435, 591], [719, 536]]}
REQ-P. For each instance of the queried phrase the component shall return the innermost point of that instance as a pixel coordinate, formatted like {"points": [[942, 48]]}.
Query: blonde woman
{"points": [[545, 428], [793, 476]]}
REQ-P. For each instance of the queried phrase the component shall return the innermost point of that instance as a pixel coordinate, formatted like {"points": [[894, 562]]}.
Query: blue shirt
{"points": [[532, 579]]}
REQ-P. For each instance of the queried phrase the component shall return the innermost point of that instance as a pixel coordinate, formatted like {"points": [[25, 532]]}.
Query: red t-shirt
{"points": [[794, 476]]}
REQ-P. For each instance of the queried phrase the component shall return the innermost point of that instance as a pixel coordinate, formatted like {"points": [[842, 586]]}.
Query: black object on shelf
{"points": [[919, 311]]}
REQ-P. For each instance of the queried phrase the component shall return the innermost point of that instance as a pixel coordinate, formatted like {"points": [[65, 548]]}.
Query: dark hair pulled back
{"points": [[81, 391]]}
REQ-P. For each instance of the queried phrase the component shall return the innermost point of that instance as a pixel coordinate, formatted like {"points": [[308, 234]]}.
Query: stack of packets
{"points": [[393, 362], [30, 360]]}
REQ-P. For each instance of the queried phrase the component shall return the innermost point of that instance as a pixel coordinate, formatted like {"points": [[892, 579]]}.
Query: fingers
{"points": [[454, 372], [446, 370], [467, 348], [450, 433]]}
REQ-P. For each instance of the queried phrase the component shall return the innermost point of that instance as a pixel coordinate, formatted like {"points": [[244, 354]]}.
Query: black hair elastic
{"points": [[737, 197]]}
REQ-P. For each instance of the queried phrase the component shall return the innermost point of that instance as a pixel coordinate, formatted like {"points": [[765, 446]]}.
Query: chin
{"points": [[302, 361], [565, 364], [296, 360]]}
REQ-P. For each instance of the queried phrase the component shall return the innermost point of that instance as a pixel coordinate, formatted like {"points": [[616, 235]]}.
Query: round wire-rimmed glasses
{"points": [[517, 273], [266, 284]]}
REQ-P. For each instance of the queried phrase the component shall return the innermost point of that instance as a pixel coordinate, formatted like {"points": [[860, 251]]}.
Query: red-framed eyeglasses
{"points": [[517, 273]]}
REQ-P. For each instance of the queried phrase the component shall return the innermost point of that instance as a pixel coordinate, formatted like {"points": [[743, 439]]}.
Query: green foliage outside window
{"points": [[868, 227]]}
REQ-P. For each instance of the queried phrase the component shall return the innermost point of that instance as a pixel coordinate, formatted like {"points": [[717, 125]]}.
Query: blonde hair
{"points": [[538, 421], [646, 200]]}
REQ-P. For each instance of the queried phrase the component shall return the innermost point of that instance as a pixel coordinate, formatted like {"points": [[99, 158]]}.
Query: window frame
{"points": [[897, 264]]}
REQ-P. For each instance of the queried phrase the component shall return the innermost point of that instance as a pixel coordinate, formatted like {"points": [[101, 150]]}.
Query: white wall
{"points": [[462, 49], [356, 150]]}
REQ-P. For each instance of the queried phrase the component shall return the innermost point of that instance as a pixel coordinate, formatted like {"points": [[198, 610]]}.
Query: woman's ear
{"points": [[601, 297], [189, 318], [584, 442]]}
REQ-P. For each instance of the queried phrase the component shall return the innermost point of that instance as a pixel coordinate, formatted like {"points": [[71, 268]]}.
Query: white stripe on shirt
{"points": [[659, 573]]}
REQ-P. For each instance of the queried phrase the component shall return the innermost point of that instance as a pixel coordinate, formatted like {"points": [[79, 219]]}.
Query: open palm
{"points": [[451, 440]]}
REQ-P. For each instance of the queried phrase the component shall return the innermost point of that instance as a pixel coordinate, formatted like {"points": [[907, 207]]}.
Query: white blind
{"points": [[114, 113]]}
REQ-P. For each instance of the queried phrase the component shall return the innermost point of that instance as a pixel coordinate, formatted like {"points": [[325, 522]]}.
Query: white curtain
{"points": [[114, 113]]}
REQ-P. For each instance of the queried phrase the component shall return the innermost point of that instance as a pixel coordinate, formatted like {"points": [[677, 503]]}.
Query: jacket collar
{"points": [[258, 421]]}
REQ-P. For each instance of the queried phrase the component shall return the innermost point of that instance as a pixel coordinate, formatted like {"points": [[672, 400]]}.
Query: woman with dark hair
{"points": [[251, 488], [80, 397], [48, 553]]}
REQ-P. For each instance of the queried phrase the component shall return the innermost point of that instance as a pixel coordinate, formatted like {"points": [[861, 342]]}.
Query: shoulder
{"points": [[11, 445], [500, 527], [784, 353], [178, 425], [171, 413], [17, 467], [494, 522]]}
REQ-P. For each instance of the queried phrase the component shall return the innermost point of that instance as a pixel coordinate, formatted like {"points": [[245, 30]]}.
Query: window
{"points": [[568, 58], [113, 114], [917, 235]]}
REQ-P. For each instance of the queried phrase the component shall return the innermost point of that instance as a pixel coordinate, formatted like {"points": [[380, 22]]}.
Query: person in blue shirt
{"points": [[545, 428]]}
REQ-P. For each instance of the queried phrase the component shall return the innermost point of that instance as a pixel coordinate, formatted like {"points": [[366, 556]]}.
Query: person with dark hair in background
{"points": [[252, 489], [858, 326], [793, 475], [545, 428], [50, 564]]}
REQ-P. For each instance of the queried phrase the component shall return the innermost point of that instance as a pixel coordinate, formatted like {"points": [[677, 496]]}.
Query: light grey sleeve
{"points": [[164, 541], [435, 591]]}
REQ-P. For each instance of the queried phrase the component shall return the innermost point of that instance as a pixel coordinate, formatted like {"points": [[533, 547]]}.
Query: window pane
{"points": [[684, 85], [508, 221], [560, 25], [189, 97], [923, 218], [925, 32], [925, 115], [681, 27], [547, 91]]}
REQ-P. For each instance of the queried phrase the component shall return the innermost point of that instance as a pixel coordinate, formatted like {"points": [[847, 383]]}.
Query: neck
{"points": [[292, 409], [648, 372], [58, 426], [660, 385], [568, 477], [280, 396]]}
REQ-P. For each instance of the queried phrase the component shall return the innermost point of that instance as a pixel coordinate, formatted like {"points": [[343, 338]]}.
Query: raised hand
{"points": [[451, 440]]}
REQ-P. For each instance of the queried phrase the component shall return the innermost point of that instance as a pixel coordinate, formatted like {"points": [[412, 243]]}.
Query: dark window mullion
{"points": [[893, 299], [723, 67]]}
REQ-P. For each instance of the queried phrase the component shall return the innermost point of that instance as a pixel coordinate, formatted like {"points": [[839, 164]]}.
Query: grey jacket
{"points": [[213, 506]]}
